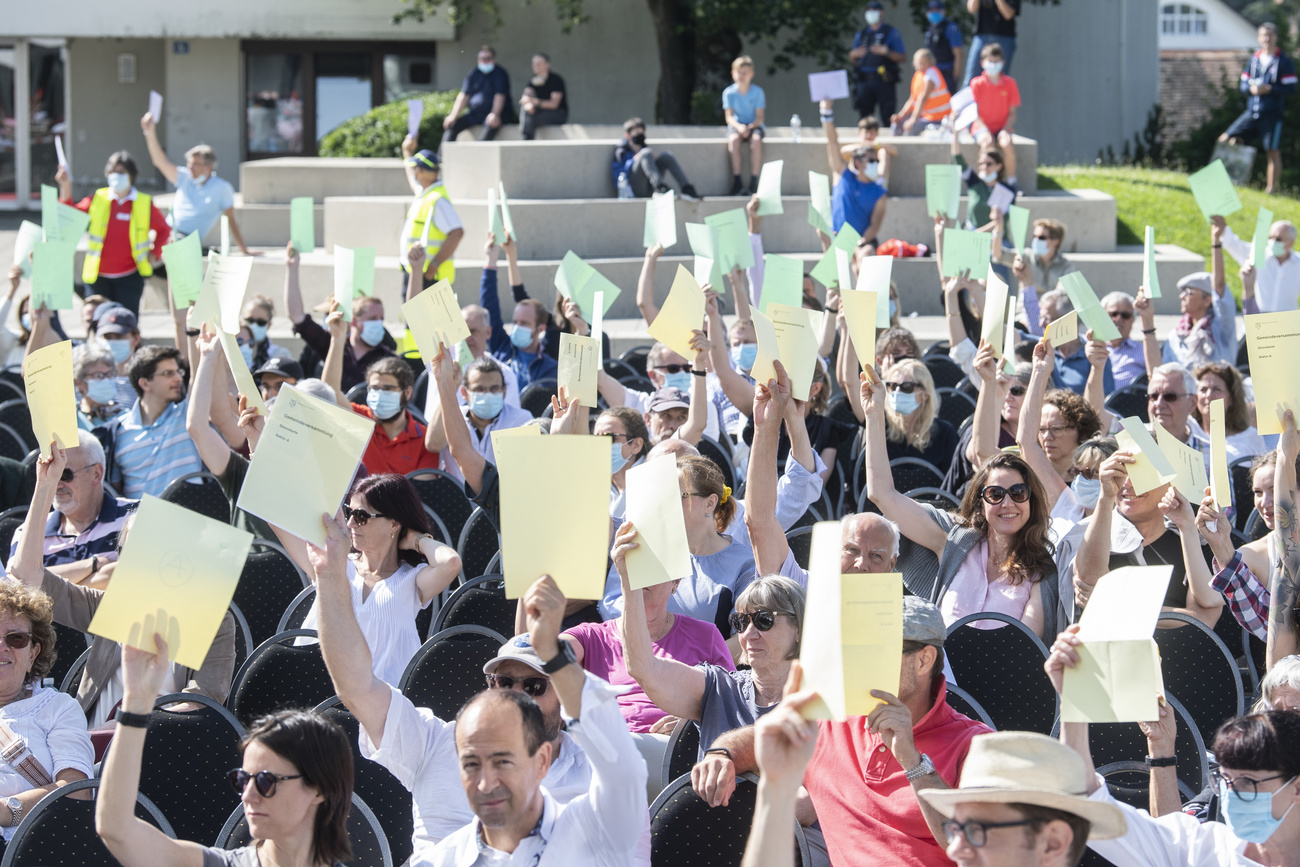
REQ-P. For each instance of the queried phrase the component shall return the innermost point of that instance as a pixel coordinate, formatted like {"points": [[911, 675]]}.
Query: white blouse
{"points": [[53, 726]]}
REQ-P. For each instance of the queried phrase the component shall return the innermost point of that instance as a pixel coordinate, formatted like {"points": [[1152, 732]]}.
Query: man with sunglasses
{"points": [[418, 747], [1171, 397], [1130, 359]]}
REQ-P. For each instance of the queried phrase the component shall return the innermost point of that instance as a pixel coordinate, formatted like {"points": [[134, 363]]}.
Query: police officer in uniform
{"points": [[945, 42], [877, 51], [431, 219]]}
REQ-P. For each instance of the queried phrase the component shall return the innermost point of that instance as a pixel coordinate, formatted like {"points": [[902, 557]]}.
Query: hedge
{"points": [[379, 132]]}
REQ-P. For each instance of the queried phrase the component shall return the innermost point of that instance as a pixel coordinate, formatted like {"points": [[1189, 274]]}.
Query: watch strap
{"points": [[925, 767], [133, 720], [564, 657], [1164, 762]]}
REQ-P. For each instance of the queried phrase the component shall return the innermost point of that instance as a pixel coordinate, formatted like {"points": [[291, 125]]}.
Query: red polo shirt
{"points": [[403, 454], [863, 799]]}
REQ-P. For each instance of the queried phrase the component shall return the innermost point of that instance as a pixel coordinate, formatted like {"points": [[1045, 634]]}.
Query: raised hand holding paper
{"points": [[302, 224], [1214, 191], [434, 315], [1150, 277], [733, 239], [52, 274], [414, 114], [1018, 225], [828, 85], [819, 206], [1064, 330], [1118, 676], [1150, 468], [942, 190], [796, 340], [825, 271], [244, 383], [1259, 245], [681, 314], [184, 260], [579, 365], [1274, 351], [59, 155], [1220, 480], [176, 577], [654, 507], [155, 106], [29, 235], [304, 463], [660, 220], [569, 540], [769, 189], [51, 397]]}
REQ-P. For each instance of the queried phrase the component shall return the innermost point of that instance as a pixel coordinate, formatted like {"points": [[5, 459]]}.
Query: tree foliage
{"points": [[379, 132]]}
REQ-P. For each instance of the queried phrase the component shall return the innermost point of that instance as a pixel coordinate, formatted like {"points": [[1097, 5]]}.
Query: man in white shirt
{"points": [[484, 409], [504, 761], [1277, 286]]}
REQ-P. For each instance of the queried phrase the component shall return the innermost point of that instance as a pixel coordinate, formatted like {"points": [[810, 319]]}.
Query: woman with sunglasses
{"points": [[295, 782], [46, 726], [994, 553], [257, 315], [1257, 781], [913, 428], [397, 569], [1218, 380]]}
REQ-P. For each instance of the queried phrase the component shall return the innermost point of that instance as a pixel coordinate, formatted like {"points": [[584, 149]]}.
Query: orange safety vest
{"points": [[138, 232], [938, 106]]}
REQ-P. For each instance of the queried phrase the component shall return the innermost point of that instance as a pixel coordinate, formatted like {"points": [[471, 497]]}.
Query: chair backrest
{"points": [[911, 473], [477, 543], [1199, 669], [186, 757], [280, 674], [447, 670], [800, 541], [12, 444], [1130, 783], [18, 416], [243, 637], [72, 678], [480, 602], [683, 749], [10, 521], [1255, 528], [536, 396], [1243, 490], [945, 372], [1253, 650], [445, 495], [376, 785], [420, 391], [635, 358], [686, 830], [267, 586], [937, 497], [711, 450], [199, 492], [1002, 669], [357, 393], [1128, 401], [1124, 742], [964, 703], [618, 368], [59, 831], [296, 611], [955, 406], [369, 845], [70, 645]]}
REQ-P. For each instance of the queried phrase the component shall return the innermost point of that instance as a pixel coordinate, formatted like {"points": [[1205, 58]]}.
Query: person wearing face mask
{"points": [[398, 443], [1277, 286], [1207, 330], [912, 413], [943, 38], [997, 98], [117, 329], [995, 24], [1257, 782], [1039, 272], [256, 317], [485, 410], [1268, 79], [95, 380], [484, 98], [857, 196], [877, 51], [201, 197], [981, 180], [119, 254], [646, 170]]}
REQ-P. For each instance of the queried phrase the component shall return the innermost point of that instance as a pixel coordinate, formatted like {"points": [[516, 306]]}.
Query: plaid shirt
{"points": [[1247, 596]]}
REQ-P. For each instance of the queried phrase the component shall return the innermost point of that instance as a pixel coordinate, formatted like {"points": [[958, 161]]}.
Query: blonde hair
{"points": [[914, 429], [707, 479], [741, 62]]}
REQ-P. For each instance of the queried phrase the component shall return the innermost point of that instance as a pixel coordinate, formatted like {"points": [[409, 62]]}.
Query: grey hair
{"points": [[91, 446], [1059, 297], [477, 311], [317, 388], [1285, 672], [777, 593], [1287, 225], [1173, 368], [87, 355], [895, 534], [1116, 297]]}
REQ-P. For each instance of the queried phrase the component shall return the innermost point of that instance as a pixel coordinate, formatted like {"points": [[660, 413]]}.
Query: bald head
{"points": [[868, 543], [674, 446]]}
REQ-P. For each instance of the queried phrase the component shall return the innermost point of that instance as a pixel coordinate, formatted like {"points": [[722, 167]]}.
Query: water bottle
{"points": [[624, 187], [796, 127]]}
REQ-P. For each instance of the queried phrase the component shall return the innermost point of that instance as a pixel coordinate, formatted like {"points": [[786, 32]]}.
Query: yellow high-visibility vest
{"points": [[138, 232], [420, 212]]}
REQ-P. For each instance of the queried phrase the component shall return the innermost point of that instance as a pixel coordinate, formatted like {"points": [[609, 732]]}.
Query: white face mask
{"points": [[993, 67], [120, 182], [1039, 246], [873, 17], [872, 170], [988, 177]]}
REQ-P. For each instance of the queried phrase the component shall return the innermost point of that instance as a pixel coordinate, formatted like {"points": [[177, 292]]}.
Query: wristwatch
{"points": [[15, 810], [916, 773], [561, 659]]}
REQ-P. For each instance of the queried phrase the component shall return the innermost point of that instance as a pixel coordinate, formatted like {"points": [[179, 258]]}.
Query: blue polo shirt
{"points": [[480, 89], [99, 539], [197, 207], [147, 458], [1072, 373], [852, 201]]}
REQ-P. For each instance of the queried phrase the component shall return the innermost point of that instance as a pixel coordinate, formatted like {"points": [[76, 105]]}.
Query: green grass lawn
{"points": [[1154, 197]]}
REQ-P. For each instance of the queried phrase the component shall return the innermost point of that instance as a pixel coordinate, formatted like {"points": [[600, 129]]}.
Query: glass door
{"points": [[8, 126], [343, 89], [46, 64]]}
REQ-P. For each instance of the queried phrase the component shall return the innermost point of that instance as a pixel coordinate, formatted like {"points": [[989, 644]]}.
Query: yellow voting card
{"points": [[681, 315], [51, 397], [1220, 480], [1188, 464], [796, 340], [304, 463], [434, 315], [568, 537], [579, 366], [768, 351], [993, 326], [1118, 677], [857, 645], [1151, 468], [1273, 343], [221, 297], [524, 430], [243, 377], [654, 506], [1063, 330], [176, 577], [860, 315]]}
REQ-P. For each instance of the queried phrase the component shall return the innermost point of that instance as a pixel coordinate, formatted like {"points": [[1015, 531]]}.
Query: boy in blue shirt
{"points": [[744, 104]]}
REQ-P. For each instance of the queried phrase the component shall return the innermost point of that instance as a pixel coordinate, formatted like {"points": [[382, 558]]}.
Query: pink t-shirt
{"points": [[689, 641]]}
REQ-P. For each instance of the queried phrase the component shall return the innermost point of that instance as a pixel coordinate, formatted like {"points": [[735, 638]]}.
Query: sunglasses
{"points": [[762, 620], [1089, 474], [16, 640], [994, 494], [532, 686], [1018, 391], [265, 781], [361, 516], [1166, 396], [1121, 314], [673, 368], [904, 387], [977, 833], [68, 472], [263, 322]]}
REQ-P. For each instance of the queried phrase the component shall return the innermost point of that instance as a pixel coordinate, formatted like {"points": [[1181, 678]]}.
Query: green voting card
{"points": [[826, 271], [52, 274], [302, 224], [733, 239], [819, 208], [184, 260], [942, 189], [1214, 191], [782, 282], [1018, 222], [966, 251]]}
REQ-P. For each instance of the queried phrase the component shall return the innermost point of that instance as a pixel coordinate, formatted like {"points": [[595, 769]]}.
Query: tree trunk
{"points": [[675, 35]]}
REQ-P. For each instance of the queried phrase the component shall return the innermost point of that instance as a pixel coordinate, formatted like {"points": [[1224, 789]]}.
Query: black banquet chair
{"points": [[686, 830], [1243, 490], [200, 492], [477, 544], [268, 584], [60, 830], [1129, 401], [912, 473], [945, 372], [279, 675], [445, 495], [1002, 669], [10, 521], [955, 406], [365, 833], [1124, 742], [683, 749], [18, 416], [479, 602], [536, 396], [1200, 670], [447, 670]]}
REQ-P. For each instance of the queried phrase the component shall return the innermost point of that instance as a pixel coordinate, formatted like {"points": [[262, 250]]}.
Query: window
{"points": [[1183, 19]]}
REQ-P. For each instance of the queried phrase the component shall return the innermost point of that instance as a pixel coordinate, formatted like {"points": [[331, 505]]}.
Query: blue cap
{"points": [[875, 4], [934, 4], [425, 159]]}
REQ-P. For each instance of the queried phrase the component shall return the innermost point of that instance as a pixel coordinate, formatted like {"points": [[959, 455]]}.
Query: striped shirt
{"points": [[147, 458], [98, 540]]}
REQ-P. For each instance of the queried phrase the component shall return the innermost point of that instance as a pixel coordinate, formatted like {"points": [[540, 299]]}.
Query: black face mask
{"points": [[638, 139]]}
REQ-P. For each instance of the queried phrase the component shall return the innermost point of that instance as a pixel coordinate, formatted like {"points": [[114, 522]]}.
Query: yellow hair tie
{"points": [[726, 495]]}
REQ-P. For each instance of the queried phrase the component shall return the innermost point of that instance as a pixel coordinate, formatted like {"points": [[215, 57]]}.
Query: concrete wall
{"points": [[206, 102]]}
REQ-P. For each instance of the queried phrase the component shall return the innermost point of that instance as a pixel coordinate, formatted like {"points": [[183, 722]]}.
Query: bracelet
{"points": [[94, 564], [192, 332], [828, 118], [1215, 246], [1148, 331], [699, 373], [726, 752], [1165, 762], [133, 720]]}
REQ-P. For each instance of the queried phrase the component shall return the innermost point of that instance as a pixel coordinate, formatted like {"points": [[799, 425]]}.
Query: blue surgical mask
{"points": [[120, 183], [616, 459], [744, 355], [372, 332], [101, 390], [384, 404], [1277, 248], [247, 351], [1251, 821], [1086, 491], [520, 337], [485, 404], [934, 17], [873, 17], [121, 348], [258, 332], [872, 170], [988, 178], [27, 322], [903, 404], [486, 68], [680, 381], [1039, 246], [893, 308], [993, 67]]}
